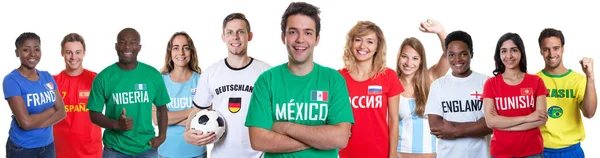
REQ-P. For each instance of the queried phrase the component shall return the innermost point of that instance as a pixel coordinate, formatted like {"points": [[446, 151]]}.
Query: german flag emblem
{"points": [[235, 104]]}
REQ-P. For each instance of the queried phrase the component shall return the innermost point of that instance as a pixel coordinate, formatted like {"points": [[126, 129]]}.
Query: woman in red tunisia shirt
{"points": [[76, 136], [514, 103]]}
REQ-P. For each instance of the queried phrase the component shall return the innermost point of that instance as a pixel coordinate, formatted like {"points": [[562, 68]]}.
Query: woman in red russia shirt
{"points": [[374, 94], [514, 103], [76, 136]]}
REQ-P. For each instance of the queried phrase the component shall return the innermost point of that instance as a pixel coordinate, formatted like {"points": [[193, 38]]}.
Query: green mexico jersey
{"points": [[318, 98], [135, 90]]}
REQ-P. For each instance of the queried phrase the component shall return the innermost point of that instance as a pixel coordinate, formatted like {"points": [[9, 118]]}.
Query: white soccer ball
{"points": [[209, 121]]}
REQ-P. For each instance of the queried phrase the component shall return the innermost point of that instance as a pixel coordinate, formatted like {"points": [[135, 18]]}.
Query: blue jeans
{"points": [[110, 153], [201, 156], [15, 151]]}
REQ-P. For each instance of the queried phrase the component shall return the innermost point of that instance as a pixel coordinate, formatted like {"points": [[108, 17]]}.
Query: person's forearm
{"points": [[272, 142], [590, 99], [102, 121], [55, 118], [499, 122], [162, 115], [324, 137], [524, 126], [472, 129], [175, 117], [393, 134]]}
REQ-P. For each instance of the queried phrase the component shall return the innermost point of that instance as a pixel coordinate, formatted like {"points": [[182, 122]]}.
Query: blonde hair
{"points": [[363, 28], [420, 79], [193, 64]]}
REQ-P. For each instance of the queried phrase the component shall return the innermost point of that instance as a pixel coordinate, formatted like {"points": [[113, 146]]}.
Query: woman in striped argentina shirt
{"points": [[414, 138]]}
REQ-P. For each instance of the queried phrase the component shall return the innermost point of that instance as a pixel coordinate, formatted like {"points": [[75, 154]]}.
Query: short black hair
{"points": [[550, 32], [26, 36], [460, 36], [304, 9]]}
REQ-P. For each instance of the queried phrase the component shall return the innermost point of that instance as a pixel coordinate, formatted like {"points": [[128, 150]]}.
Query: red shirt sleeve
{"points": [[541, 86], [488, 89], [394, 83]]}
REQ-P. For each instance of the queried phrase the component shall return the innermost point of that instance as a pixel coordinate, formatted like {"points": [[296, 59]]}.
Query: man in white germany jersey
{"points": [[228, 85]]}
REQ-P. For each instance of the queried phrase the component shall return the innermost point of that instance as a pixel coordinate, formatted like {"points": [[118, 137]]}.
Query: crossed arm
{"points": [[445, 129], [290, 137], [175, 117], [44, 119], [519, 123]]}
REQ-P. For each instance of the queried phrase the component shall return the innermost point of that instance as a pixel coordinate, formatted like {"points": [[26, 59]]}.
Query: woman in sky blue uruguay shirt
{"points": [[35, 102], [180, 74]]}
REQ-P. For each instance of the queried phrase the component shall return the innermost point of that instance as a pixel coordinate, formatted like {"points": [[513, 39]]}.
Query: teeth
{"points": [[236, 45], [300, 48], [458, 65], [32, 59], [362, 52], [180, 58]]}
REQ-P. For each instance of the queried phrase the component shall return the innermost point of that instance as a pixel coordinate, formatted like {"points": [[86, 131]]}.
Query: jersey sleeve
{"points": [[488, 89], [259, 110], [339, 107], [10, 87], [394, 84], [49, 77], [580, 91], [541, 87], [204, 95], [97, 97], [433, 102], [162, 95]]}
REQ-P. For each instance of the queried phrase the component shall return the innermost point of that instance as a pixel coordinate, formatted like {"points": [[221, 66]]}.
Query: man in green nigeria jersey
{"points": [[300, 108], [128, 88]]}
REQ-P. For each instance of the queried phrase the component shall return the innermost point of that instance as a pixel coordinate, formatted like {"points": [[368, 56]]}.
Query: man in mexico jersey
{"points": [[76, 135], [369, 101], [229, 89], [316, 99]]}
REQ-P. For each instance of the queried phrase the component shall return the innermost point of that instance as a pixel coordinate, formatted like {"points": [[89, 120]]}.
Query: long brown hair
{"points": [[362, 28], [193, 64], [421, 79]]}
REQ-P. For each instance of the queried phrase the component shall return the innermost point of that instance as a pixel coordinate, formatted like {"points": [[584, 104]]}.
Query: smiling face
{"points": [[180, 51], [29, 53], [128, 46], [410, 61], [236, 37], [300, 38], [364, 47], [510, 55], [552, 52], [73, 53], [459, 58]]}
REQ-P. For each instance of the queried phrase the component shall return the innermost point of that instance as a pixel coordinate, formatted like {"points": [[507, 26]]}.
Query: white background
{"points": [[100, 21]]}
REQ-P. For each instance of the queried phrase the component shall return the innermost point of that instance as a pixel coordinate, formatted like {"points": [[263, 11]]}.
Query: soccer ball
{"points": [[209, 121]]}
